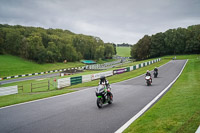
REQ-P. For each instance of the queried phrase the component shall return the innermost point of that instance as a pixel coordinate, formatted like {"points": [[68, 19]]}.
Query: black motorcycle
{"points": [[155, 73], [103, 95]]}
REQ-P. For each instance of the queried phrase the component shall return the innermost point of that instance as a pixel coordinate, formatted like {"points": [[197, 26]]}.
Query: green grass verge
{"points": [[123, 51], [12, 65], [26, 96], [178, 111]]}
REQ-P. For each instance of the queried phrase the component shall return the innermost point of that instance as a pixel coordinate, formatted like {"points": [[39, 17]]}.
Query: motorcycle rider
{"points": [[104, 81], [149, 74], [156, 69], [155, 72]]}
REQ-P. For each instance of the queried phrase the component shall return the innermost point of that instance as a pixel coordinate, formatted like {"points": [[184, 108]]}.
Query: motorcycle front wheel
{"points": [[148, 83], [99, 102], [110, 100]]}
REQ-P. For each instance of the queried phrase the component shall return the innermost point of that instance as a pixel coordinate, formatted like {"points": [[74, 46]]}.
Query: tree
{"points": [[13, 40], [144, 48], [157, 45], [53, 53], [34, 48], [99, 53], [134, 53], [109, 50], [1, 42]]}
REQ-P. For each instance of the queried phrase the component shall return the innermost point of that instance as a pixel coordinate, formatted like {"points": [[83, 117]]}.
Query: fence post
{"points": [[31, 87], [48, 85]]}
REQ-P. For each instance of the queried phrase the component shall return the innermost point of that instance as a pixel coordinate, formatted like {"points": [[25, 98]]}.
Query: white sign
{"points": [[8, 90], [98, 75], [86, 78], [64, 82]]}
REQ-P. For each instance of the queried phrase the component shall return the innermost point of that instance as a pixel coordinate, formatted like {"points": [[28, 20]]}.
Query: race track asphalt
{"points": [[77, 112], [29, 78]]}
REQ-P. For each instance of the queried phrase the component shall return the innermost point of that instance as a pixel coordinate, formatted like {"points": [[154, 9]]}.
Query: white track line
{"points": [[65, 94], [121, 129], [198, 130]]}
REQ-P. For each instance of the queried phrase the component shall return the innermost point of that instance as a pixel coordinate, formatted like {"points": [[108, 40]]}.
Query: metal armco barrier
{"points": [[100, 66], [40, 73], [76, 80]]}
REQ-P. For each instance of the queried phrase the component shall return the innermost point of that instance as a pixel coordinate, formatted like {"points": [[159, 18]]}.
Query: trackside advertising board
{"points": [[8, 90], [98, 75], [119, 71], [63, 82]]}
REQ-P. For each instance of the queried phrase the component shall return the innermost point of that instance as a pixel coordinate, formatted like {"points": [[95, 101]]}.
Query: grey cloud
{"points": [[112, 20]]}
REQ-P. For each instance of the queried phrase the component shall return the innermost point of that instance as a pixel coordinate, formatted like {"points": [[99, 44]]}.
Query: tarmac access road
{"points": [[29, 78], [77, 112]]}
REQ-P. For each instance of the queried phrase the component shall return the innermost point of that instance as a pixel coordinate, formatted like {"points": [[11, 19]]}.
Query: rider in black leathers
{"points": [[156, 69], [104, 81], [149, 74], [155, 72]]}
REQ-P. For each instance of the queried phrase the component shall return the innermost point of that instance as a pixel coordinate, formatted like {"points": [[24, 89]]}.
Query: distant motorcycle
{"points": [[103, 95], [155, 73], [148, 80]]}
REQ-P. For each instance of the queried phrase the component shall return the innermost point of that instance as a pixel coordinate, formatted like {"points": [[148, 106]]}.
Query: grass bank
{"points": [[23, 97], [178, 111], [123, 51], [12, 65]]}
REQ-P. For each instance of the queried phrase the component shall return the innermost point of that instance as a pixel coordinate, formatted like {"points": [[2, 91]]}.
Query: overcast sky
{"points": [[117, 21]]}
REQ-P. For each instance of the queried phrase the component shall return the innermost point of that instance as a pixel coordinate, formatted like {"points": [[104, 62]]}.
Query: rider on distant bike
{"points": [[149, 74], [156, 69]]}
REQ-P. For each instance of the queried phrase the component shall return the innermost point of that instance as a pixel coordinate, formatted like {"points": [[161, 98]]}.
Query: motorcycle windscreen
{"points": [[147, 77], [100, 89]]}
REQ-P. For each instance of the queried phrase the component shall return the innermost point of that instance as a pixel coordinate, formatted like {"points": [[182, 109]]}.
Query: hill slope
{"points": [[123, 51], [13, 65]]}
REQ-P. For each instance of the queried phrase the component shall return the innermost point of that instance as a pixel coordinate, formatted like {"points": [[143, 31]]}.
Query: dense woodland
{"points": [[173, 41], [52, 45]]}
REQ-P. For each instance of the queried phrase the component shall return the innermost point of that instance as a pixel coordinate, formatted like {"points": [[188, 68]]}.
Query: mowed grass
{"points": [[178, 111], [123, 51], [42, 92], [12, 65]]}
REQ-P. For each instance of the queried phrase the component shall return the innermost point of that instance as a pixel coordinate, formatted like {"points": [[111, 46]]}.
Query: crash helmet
{"points": [[102, 78], [147, 71]]}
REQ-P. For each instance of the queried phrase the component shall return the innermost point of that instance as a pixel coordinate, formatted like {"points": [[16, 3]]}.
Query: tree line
{"points": [[52, 45], [124, 45], [173, 41]]}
